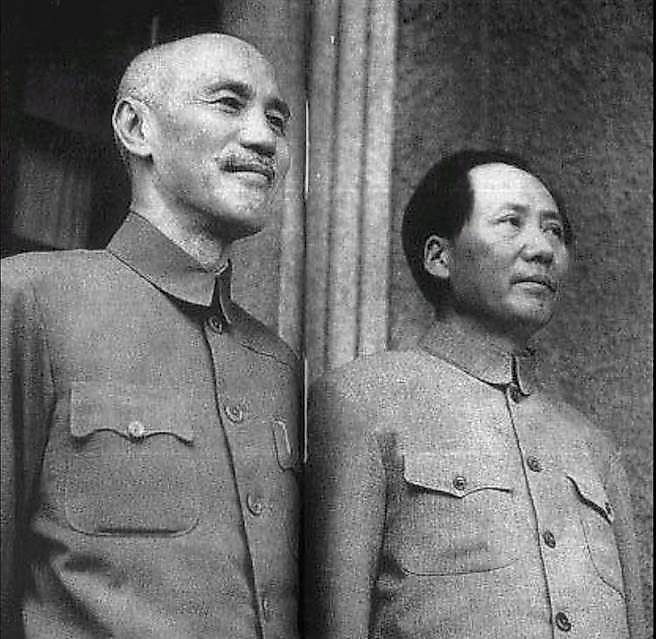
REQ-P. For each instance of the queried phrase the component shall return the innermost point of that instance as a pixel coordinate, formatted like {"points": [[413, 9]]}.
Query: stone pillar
{"points": [[351, 81]]}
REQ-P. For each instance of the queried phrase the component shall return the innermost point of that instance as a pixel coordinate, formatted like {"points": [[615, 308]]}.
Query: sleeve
{"points": [[344, 508], [25, 404], [617, 487]]}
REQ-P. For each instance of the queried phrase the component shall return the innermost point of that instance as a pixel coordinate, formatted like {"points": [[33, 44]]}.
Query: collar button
{"points": [[514, 393], [215, 324]]}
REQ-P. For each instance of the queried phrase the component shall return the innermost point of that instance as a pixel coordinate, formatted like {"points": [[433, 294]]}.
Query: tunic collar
{"points": [[479, 357], [157, 259]]}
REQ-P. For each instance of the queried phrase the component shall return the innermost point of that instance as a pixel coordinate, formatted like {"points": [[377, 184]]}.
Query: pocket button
{"points": [[562, 622], [459, 483], [136, 430]]}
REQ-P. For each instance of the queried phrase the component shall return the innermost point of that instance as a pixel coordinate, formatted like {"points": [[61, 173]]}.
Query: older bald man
{"points": [[149, 424]]}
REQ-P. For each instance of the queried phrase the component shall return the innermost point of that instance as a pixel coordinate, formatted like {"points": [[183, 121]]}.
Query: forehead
{"points": [[498, 185], [208, 64]]}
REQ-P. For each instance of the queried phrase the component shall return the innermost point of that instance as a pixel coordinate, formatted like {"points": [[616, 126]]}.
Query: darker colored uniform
{"points": [[448, 497], [149, 449]]}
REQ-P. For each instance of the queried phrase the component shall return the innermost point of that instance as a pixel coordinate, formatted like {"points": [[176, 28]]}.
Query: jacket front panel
{"points": [[167, 498], [446, 495]]}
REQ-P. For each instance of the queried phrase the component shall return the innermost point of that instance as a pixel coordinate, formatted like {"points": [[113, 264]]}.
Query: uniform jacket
{"points": [[149, 450], [446, 496]]}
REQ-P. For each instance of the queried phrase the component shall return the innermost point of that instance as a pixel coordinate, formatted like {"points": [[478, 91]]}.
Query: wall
{"points": [[568, 85]]}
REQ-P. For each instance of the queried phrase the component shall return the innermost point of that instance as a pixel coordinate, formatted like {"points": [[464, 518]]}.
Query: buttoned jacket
{"points": [[149, 449], [447, 496]]}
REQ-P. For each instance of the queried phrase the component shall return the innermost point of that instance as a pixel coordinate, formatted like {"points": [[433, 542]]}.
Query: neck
{"points": [[511, 342], [184, 228]]}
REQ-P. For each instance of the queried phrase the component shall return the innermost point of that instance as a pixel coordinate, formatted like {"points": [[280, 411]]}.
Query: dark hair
{"points": [[441, 205]]}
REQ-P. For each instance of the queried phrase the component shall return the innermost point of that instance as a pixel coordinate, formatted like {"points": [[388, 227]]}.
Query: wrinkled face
{"points": [[220, 151], [508, 263]]}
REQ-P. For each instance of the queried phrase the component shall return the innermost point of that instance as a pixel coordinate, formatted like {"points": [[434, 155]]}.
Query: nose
{"points": [[538, 246], [257, 135]]}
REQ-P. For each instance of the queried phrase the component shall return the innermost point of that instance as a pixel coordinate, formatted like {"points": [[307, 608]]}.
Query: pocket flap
{"points": [[132, 411], [456, 472], [592, 491], [285, 448]]}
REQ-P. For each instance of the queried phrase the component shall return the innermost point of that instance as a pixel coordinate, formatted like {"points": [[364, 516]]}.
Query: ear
{"points": [[437, 256], [132, 126]]}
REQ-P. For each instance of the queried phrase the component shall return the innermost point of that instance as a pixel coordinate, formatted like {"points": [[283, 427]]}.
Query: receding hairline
{"points": [[146, 71], [471, 173]]}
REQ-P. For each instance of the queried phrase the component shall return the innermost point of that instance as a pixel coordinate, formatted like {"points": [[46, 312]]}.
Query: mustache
{"points": [[251, 163]]}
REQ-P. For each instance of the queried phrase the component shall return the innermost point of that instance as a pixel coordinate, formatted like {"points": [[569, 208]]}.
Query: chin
{"points": [[533, 319]]}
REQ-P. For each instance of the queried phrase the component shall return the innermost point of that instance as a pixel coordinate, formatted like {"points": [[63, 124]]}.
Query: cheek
{"points": [[283, 159]]}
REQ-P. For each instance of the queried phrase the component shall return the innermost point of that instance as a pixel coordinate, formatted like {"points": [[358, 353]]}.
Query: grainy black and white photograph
{"points": [[327, 319]]}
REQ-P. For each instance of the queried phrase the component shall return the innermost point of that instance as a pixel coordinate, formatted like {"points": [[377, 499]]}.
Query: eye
{"points": [[512, 219], [556, 229], [277, 122], [229, 103]]}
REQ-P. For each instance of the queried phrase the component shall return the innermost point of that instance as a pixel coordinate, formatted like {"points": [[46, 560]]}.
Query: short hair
{"points": [[441, 205]]}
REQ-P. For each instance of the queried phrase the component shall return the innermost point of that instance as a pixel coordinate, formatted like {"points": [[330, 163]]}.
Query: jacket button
{"points": [[459, 482], [136, 429], [266, 607], [562, 622], [254, 504], [215, 323], [549, 538], [234, 413], [534, 464]]}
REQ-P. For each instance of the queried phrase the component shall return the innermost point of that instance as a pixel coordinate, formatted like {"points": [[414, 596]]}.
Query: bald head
{"points": [[203, 127], [153, 72]]}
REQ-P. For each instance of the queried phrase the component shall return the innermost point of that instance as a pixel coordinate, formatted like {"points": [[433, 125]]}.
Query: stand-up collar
{"points": [[146, 250], [473, 353]]}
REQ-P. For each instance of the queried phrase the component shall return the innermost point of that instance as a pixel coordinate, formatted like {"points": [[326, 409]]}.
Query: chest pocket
{"points": [[131, 462], [457, 514], [597, 516]]}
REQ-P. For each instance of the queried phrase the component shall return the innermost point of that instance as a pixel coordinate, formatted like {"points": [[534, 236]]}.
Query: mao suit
{"points": [[150, 449]]}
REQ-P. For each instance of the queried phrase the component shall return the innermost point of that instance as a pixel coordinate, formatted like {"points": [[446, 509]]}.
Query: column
{"points": [[350, 152]]}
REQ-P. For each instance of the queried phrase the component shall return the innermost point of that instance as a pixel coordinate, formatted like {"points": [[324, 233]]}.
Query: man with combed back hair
{"points": [[149, 424], [447, 495]]}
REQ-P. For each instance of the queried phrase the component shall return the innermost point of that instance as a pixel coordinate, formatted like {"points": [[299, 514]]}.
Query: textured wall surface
{"points": [[567, 85]]}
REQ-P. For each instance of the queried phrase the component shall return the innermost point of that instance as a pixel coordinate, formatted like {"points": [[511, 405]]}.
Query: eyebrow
{"points": [[520, 208], [246, 91]]}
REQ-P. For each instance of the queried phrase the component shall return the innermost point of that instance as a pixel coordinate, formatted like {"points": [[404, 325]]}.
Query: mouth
{"points": [[250, 167], [541, 280]]}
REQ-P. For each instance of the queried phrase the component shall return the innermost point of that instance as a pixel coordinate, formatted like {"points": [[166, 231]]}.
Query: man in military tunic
{"points": [[149, 424], [447, 496]]}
